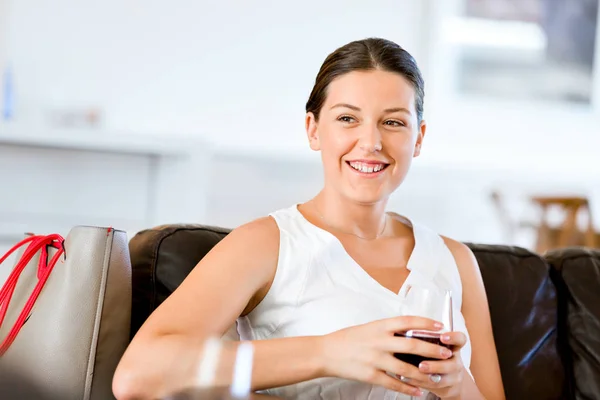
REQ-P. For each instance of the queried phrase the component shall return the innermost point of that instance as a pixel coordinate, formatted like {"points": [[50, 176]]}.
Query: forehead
{"points": [[372, 89]]}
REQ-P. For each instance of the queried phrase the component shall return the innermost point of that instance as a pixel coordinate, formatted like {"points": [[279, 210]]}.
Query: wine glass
{"points": [[428, 302]]}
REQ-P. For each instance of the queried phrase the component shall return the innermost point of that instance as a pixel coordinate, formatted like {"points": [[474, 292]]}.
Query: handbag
{"points": [[65, 313]]}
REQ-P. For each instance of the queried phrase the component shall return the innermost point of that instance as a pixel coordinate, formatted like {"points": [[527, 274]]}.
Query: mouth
{"points": [[368, 168]]}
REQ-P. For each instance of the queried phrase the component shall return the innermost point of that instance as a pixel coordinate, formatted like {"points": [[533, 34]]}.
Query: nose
{"points": [[370, 140]]}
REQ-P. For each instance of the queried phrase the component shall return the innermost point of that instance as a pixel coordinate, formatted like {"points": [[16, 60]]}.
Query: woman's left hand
{"points": [[444, 377]]}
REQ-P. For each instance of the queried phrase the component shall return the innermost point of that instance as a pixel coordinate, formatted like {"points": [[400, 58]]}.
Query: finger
{"points": [[438, 374], [405, 323], [447, 370], [433, 382], [455, 339], [380, 378], [389, 363], [417, 379], [445, 367], [403, 345], [423, 383], [407, 373]]}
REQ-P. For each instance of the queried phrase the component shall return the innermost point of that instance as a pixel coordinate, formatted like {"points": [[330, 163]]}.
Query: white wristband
{"points": [[242, 373], [206, 373]]}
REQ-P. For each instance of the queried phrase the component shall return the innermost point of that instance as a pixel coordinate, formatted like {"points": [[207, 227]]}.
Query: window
{"points": [[525, 49]]}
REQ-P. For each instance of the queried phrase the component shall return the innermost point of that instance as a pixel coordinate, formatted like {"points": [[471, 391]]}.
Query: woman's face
{"points": [[367, 133]]}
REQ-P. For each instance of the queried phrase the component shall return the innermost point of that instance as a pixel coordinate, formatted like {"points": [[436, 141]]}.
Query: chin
{"points": [[367, 198]]}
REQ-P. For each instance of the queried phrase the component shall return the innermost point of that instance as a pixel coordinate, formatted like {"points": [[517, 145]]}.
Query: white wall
{"points": [[3, 31], [238, 74]]}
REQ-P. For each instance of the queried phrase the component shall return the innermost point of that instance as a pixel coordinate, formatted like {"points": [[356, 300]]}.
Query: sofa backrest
{"points": [[523, 301], [161, 258], [576, 272]]}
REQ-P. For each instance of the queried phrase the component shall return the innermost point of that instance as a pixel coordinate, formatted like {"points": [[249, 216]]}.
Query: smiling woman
{"points": [[318, 287]]}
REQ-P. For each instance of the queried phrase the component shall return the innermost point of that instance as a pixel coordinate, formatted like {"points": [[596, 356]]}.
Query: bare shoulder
{"points": [[468, 269], [249, 252], [253, 244], [247, 256], [260, 236], [464, 257], [261, 226], [257, 244]]}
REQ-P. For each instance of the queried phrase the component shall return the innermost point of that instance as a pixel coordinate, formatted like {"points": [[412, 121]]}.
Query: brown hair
{"points": [[364, 55]]}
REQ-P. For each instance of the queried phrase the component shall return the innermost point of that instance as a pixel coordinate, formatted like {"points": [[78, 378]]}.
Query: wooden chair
{"points": [[568, 233]]}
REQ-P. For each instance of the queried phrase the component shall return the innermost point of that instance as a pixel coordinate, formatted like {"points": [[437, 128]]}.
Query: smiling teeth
{"points": [[367, 168]]}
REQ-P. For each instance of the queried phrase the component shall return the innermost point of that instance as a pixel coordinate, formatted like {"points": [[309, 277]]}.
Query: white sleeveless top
{"points": [[318, 289]]}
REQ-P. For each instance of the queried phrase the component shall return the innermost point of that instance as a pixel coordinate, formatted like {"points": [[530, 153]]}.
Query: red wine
{"points": [[415, 359]]}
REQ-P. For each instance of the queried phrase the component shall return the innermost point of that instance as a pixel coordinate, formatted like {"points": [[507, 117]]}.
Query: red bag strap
{"points": [[45, 266]]}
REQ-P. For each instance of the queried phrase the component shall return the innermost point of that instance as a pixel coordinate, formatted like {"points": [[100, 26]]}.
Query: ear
{"points": [[420, 136], [311, 131]]}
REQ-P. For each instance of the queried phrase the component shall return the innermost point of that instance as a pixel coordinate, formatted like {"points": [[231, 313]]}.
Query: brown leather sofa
{"points": [[545, 310]]}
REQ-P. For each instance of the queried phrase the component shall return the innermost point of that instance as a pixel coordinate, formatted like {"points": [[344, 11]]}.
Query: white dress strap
{"points": [[426, 261]]}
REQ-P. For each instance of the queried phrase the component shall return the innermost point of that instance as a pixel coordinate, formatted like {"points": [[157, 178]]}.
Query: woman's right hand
{"points": [[366, 352]]}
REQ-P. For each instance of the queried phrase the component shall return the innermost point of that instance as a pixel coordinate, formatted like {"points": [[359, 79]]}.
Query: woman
{"points": [[316, 286]]}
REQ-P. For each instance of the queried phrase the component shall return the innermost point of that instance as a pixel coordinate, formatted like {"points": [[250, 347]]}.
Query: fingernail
{"points": [[424, 367], [438, 325], [446, 338], [417, 392], [446, 353]]}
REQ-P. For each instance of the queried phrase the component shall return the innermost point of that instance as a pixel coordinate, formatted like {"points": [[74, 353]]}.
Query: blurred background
{"points": [[136, 113]]}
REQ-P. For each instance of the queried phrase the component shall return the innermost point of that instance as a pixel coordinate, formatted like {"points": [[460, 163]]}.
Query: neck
{"points": [[362, 220]]}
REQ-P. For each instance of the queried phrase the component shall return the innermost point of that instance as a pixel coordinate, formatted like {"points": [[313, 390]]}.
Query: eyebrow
{"points": [[388, 110]]}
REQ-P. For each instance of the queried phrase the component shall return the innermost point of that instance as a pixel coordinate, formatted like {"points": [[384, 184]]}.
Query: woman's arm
{"points": [[484, 360], [232, 278]]}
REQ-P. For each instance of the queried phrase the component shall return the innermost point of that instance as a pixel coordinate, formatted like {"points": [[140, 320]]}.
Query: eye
{"points": [[347, 119], [393, 122]]}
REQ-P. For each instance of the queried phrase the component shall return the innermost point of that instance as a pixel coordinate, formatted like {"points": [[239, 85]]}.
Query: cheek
{"points": [[336, 146], [400, 147]]}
